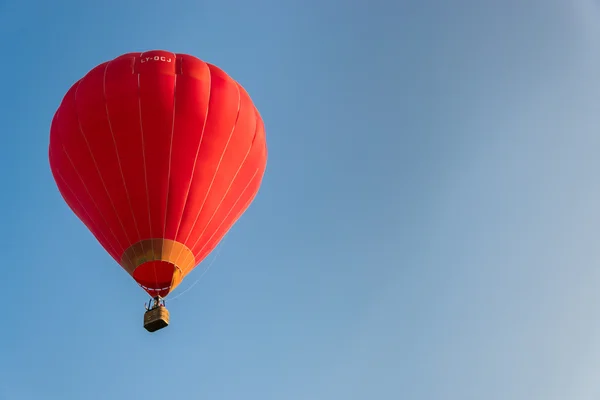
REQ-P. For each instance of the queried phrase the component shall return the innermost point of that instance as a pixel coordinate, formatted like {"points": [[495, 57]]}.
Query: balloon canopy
{"points": [[158, 154]]}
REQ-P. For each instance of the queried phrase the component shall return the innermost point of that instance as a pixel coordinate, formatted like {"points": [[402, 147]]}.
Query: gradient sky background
{"points": [[427, 227]]}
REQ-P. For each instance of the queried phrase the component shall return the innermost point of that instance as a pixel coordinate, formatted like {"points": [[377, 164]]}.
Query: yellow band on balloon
{"points": [[166, 250]]}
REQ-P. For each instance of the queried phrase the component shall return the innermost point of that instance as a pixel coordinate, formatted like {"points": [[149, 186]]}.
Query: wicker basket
{"points": [[156, 319]]}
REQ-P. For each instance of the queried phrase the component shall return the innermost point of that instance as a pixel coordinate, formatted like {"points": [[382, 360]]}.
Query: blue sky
{"points": [[427, 226]]}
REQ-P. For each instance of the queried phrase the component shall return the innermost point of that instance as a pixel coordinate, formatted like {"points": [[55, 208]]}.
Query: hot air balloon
{"points": [[158, 154]]}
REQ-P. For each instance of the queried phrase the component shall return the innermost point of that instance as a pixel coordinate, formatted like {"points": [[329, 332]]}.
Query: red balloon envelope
{"points": [[158, 154]]}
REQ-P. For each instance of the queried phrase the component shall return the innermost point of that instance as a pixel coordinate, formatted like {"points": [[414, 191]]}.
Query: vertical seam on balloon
{"points": [[245, 206], [170, 160], [170, 156], [145, 171], [118, 157], [222, 198], [229, 212], [180, 72], [229, 187], [98, 231], [94, 228], [218, 164], [57, 172], [96, 164], [92, 198], [187, 194]]}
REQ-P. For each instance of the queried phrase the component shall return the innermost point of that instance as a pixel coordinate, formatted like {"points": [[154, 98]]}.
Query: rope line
{"points": [[199, 278]]}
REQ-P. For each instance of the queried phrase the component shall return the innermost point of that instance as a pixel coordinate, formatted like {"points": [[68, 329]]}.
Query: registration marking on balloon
{"points": [[156, 58]]}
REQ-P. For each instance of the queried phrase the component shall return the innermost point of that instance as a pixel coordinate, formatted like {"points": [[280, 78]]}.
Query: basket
{"points": [[156, 318]]}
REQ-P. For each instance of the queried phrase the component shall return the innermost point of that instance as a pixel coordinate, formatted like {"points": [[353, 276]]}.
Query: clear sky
{"points": [[427, 227]]}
